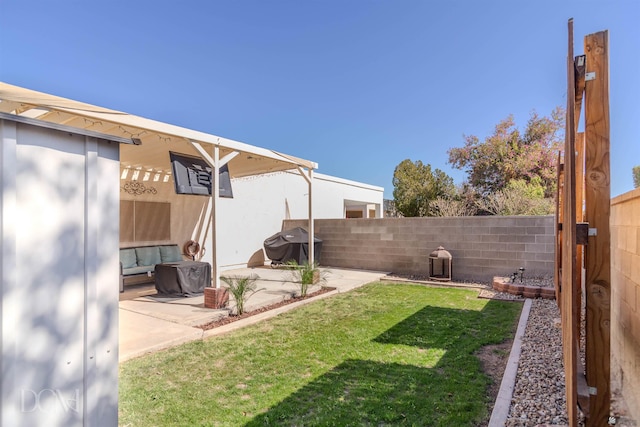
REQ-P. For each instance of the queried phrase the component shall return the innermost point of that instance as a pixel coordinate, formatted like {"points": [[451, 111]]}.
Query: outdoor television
{"points": [[192, 175]]}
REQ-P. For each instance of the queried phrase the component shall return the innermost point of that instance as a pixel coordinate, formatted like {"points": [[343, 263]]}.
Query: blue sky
{"points": [[357, 86]]}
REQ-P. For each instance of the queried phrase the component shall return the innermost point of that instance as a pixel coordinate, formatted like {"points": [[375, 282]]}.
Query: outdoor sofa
{"points": [[141, 261]]}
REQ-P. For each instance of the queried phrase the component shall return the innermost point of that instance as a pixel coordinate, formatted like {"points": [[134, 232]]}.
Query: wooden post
{"points": [[597, 194], [579, 183], [557, 276], [568, 312], [582, 387], [579, 73]]}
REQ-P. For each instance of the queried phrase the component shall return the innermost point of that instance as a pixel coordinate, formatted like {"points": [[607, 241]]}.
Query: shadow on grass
{"points": [[366, 392]]}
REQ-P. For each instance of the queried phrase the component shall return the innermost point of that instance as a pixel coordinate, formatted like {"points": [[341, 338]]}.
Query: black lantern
{"points": [[440, 265]]}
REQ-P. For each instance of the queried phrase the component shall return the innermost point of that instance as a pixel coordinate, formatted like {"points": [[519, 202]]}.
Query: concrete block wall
{"points": [[625, 299], [482, 247]]}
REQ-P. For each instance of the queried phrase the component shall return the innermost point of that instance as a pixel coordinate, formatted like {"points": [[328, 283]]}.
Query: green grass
{"points": [[377, 356]]}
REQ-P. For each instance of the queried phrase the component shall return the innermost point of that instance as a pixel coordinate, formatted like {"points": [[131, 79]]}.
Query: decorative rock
{"points": [[539, 393]]}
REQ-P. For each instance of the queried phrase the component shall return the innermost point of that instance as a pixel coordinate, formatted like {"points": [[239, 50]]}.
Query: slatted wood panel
{"points": [[144, 221], [153, 221], [126, 221]]}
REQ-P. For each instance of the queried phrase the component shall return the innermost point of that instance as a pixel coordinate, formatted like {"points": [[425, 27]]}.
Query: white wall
{"points": [[262, 202], [59, 274], [259, 206]]}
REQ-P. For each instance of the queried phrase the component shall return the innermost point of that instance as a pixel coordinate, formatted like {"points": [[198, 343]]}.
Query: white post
{"points": [[215, 194], [312, 257], [309, 179], [215, 163]]}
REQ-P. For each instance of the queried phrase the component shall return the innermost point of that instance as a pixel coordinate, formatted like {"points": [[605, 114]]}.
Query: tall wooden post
{"points": [[567, 309], [579, 183], [557, 276], [597, 194]]}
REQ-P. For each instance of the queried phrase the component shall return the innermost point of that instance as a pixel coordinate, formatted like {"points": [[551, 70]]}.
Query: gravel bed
{"points": [[539, 393], [539, 397]]}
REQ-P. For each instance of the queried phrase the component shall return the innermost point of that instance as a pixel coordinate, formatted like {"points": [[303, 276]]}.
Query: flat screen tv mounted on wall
{"points": [[192, 175]]}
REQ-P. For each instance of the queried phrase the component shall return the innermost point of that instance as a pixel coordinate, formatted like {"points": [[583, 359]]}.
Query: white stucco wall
{"points": [[259, 206], [59, 216], [262, 202]]}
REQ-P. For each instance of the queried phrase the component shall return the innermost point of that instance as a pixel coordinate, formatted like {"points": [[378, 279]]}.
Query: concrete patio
{"points": [[150, 323]]}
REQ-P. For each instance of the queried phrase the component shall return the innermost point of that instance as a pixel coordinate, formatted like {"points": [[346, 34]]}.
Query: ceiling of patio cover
{"points": [[291, 245], [157, 138]]}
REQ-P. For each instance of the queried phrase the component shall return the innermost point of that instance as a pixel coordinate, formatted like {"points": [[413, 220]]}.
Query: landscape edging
{"points": [[503, 400]]}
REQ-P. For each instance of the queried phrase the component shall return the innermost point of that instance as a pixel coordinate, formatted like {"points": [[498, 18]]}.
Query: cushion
{"points": [[148, 255], [137, 270], [170, 253], [128, 258]]}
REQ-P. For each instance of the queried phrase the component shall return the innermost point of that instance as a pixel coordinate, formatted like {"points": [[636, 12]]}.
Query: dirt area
{"points": [[493, 359], [233, 317]]}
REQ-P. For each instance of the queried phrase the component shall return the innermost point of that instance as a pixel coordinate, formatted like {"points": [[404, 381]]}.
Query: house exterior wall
{"points": [[262, 203], [59, 216], [625, 299], [482, 247], [257, 210]]}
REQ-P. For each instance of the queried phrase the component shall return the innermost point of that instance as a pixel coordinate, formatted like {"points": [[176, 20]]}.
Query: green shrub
{"points": [[241, 288], [305, 275]]}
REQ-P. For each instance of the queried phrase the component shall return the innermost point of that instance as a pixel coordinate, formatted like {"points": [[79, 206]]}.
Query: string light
{"points": [[92, 122], [131, 134]]}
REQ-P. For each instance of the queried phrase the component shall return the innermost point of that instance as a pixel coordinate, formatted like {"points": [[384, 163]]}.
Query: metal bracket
{"points": [[590, 76], [593, 232], [593, 391]]}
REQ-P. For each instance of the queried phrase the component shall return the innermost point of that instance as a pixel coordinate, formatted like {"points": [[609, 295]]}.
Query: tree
{"points": [[509, 155], [518, 198], [415, 186], [451, 207], [636, 176]]}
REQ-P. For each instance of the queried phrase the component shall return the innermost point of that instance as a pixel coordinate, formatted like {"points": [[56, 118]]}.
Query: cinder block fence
{"points": [[482, 247], [625, 298]]}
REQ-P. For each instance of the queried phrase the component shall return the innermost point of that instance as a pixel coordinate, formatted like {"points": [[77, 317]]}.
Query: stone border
{"points": [[503, 400], [503, 284], [433, 283]]}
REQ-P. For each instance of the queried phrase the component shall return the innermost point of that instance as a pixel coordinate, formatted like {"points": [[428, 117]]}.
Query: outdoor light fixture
{"points": [[440, 262]]}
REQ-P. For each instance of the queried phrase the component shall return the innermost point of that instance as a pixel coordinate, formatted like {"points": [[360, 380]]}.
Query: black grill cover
{"points": [[291, 245]]}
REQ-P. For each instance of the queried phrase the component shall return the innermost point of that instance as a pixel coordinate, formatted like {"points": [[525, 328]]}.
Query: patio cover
{"points": [[156, 137], [151, 140]]}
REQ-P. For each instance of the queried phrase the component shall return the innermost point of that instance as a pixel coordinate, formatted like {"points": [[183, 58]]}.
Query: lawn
{"points": [[384, 354]]}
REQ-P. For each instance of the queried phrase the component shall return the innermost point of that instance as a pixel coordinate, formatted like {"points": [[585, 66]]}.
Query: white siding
{"points": [[60, 289]]}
